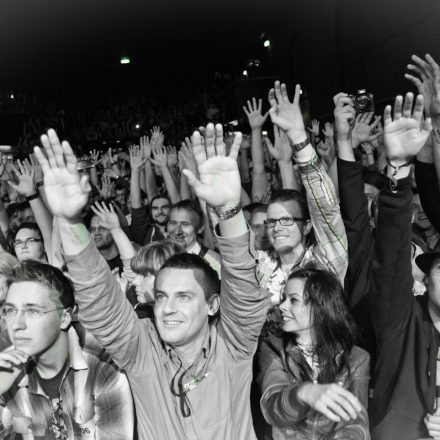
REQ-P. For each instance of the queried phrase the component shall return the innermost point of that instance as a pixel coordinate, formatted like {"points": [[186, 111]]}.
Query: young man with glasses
{"points": [[288, 222], [51, 387], [29, 244]]}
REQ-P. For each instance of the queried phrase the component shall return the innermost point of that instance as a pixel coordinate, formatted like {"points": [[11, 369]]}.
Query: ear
{"points": [[307, 227], [66, 319], [200, 231], [213, 304]]}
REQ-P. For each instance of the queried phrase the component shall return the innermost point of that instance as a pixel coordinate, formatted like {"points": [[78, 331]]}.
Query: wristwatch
{"points": [[299, 146]]}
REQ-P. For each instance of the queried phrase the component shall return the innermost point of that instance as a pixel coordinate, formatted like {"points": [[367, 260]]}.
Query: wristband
{"points": [[32, 197], [225, 215], [301, 145], [40, 183], [393, 180]]}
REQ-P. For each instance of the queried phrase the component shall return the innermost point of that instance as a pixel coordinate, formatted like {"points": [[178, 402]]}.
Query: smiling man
{"points": [[288, 221], [190, 370], [185, 226], [50, 386]]}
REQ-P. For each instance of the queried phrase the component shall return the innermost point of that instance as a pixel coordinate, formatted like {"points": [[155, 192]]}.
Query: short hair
{"points": [[160, 196], [7, 263], [191, 207], [59, 286], [28, 225], [12, 209], [150, 258], [260, 207], [210, 282], [291, 195]]}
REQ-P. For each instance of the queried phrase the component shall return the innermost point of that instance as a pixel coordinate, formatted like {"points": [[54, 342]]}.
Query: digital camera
{"points": [[363, 101]]}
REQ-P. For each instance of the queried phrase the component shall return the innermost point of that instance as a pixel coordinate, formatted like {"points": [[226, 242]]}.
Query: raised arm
{"points": [[161, 160], [256, 122], [104, 310], [331, 249], [243, 306], [391, 293]]}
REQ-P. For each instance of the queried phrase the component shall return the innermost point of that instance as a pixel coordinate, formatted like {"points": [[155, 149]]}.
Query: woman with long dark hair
{"points": [[314, 379]]}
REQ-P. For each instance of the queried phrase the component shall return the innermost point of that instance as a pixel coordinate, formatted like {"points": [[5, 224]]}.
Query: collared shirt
{"points": [[210, 256], [331, 249], [95, 399], [212, 400]]}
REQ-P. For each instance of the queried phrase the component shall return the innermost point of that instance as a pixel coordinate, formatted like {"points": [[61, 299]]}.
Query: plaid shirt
{"points": [[331, 249], [95, 395]]}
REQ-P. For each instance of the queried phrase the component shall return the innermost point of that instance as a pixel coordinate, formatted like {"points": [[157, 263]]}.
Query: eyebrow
{"points": [[27, 305], [180, 292]]}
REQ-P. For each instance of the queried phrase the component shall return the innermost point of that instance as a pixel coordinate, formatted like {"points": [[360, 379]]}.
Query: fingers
{"points": [[192, 179], [284, 94], [418, 108], [56, 147], [272, 99], [41, 158], [278, 95], [235, 146], [297, 94], [339, 96], [416, 81], [198, 149], [398, 108], [387, 116], [407, 105], [210, 140], [219, 141]]}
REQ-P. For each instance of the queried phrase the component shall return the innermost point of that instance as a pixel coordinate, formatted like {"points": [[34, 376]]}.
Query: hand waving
{"points": [[66, 192], [363, 131], [25, 176], [281, 150], [285, 114], [219, 184], [253, 112], [107, 216], [405, 134]]}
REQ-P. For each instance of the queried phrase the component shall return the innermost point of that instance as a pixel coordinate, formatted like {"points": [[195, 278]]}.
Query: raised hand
{"points": [[25, 175], [66, 191], [332, 400], [171, 156], [94, 155], [328, 130], [326, 151], [281, 150], [314, 127], [157, 136], [138, 157], [159, 157], [107, 187], [429, 84], [363, 130], [344, 115], [285, 114], [404, 133], [108, 218], [145, 145], [219, 184], [187, 157], [254, 115], [38, 171]]}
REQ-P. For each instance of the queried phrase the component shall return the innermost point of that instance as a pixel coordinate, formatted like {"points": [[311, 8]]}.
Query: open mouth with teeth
{"points": [[280, 237], [287, 318], [171, 323]]}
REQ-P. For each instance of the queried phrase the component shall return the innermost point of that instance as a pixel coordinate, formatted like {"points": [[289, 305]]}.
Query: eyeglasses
{"points": [[28, 242], [9, 312], [284, 221]]}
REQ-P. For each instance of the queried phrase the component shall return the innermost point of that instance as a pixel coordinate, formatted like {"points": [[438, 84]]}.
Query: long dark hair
{"points": [[334, 329]]}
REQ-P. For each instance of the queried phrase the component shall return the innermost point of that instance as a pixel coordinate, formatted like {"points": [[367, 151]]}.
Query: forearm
{"points": [[43, 219], [333, 174], [170, 184], [345, 149], [125, 248], [150, 182], [243, 163], [94, 177], [135, 189], [288, 175], [259, 178], [185, 190], [4, 219]]}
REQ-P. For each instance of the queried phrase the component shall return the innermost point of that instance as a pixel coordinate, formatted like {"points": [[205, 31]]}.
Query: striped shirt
{"points": [[95, 398]]}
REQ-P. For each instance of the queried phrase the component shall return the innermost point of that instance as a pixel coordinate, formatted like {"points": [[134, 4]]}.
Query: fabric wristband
{"points": [[225, 215], [32, 197]]}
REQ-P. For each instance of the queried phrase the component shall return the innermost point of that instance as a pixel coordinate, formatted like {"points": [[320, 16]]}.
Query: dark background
{"points": [[69, 50]]}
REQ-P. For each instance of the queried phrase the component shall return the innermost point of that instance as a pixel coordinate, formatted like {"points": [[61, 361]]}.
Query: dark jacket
{"points": [[354, 211], [282, 373], [143, 230], [405, 374]]}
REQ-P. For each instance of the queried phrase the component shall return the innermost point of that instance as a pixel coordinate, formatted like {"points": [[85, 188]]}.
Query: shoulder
{"points": [[359, 359]]}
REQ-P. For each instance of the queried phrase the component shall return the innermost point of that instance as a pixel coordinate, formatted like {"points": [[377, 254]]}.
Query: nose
{"points": [[169, 307], [19, 322], [284, 305], [137, 280]]}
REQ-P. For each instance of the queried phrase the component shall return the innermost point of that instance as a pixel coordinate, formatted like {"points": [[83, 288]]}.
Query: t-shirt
{"points": [[51, 388], [116, 263]]}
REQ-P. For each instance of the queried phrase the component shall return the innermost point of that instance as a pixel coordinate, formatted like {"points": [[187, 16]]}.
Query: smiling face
{"points": [[182, 227], [102, 236], [285, 238], [160, 211], [34, 335], [180, 309], [295, 312]]}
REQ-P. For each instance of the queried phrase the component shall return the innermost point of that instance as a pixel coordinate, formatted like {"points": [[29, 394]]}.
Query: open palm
{"points": [[219, 181], [66, 192], [406, 134]]}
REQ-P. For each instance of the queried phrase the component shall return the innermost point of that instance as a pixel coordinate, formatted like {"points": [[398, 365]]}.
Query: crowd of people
{"points": [[236, 287]]}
